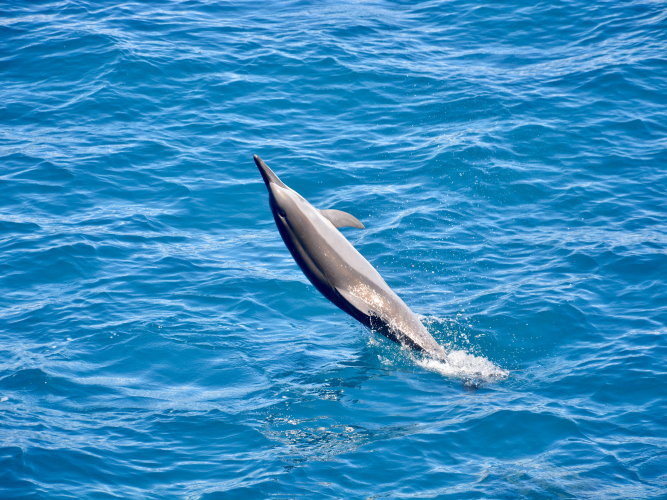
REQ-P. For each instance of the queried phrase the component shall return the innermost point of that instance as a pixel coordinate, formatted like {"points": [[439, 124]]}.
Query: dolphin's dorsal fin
{"points": [[341, 219]]}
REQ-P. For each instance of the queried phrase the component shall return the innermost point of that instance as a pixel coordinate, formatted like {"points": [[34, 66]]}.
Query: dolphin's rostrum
{"points": [[338, 270]]}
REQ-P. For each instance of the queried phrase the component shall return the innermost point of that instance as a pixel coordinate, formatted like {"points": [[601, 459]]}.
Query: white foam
{"points": [[473, 370]]}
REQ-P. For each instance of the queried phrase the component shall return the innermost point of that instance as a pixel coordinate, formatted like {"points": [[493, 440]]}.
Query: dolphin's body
{"points": [[338, 270]]}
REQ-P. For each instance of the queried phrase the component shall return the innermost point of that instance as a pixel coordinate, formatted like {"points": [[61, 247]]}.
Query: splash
{"points": [[474, 371]]}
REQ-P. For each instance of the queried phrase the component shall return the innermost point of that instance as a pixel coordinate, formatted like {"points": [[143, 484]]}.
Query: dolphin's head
{"points": [[285, 203], [267, 174]]}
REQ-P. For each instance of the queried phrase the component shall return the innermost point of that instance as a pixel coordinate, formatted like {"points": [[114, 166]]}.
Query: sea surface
{"points": [[509, 162]]}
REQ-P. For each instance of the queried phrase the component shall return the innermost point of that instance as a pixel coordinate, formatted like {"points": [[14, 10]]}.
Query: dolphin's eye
{"points": [[282, 213]]}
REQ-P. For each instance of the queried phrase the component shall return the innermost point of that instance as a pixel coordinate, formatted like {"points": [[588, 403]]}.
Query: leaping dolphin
{"points": [[338, 270]]}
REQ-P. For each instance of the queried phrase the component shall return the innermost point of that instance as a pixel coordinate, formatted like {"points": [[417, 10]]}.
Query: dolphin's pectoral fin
{"points": [[341, 219], [355, 301]]}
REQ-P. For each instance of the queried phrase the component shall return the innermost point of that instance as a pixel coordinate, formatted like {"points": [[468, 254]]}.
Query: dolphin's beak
{"points": [[267, 174]]}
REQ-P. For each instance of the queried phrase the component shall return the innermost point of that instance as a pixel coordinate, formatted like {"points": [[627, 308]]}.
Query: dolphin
{"points": [[338, 270]]}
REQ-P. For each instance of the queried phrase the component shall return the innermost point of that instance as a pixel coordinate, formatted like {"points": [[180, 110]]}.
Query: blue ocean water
{"points": [[509, 162]]}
